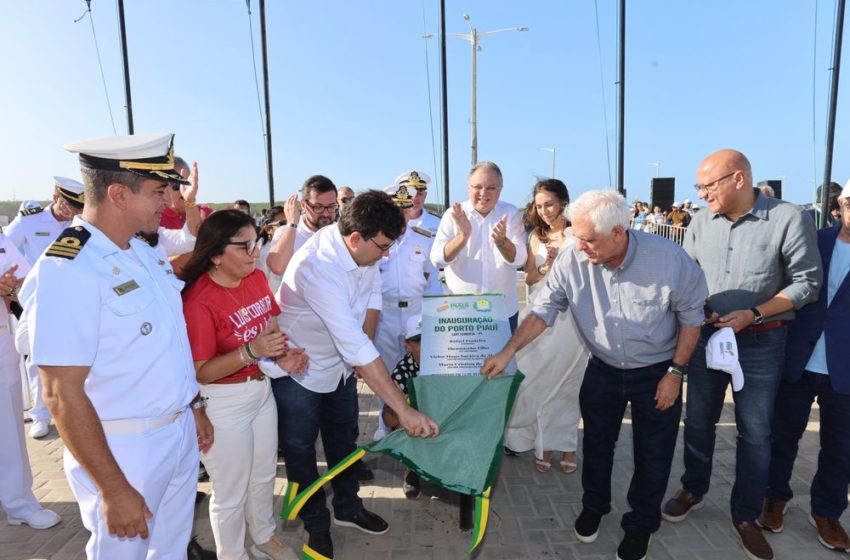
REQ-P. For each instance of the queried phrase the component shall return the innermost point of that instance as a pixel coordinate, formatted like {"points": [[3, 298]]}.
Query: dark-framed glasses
{"points": [[383, 248], [711, 186], [251, 246], [320, 209]]}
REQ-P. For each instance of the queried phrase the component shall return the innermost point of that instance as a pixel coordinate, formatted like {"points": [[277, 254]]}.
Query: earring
{"points": [[215, 264]]}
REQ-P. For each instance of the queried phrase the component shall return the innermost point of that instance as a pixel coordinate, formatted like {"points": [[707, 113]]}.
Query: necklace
{"points": [[243, 309]]}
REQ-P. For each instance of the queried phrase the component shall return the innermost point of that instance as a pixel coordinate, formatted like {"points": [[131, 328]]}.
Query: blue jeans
{"points": [[302, 415], [794, 403], [761, 356], [604, 394]]}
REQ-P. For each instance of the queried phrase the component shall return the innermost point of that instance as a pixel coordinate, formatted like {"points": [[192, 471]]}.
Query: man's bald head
{"points": [[726, 161], [725, 182]]}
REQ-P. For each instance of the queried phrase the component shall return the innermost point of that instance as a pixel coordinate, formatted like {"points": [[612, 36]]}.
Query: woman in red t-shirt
{"points": [[230, 316]]}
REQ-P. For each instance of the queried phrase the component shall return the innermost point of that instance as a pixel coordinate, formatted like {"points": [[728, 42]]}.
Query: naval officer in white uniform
{"points": [[121, 384], [16, 495], [32, 230]]}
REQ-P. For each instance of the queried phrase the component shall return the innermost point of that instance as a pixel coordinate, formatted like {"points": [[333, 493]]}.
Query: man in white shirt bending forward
{"points": [[330, 288]]}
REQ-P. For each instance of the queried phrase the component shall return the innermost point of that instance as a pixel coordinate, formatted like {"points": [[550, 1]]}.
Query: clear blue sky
{"points": [[349, 90]]}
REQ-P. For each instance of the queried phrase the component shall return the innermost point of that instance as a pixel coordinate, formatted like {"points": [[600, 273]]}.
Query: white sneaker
{"points": [[275, 549], [381, 433], [39, 429], [41, 519]]}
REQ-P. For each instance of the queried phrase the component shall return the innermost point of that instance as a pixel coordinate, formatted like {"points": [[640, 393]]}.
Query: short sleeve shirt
{"points": [[220, 319]]}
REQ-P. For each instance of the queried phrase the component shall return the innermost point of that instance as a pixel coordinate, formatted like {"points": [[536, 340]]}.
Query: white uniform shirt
{"points": [[479, 267], [403, 271], [426, 221], [9, 255], [32, 234], [323, 300], [118, 312]]}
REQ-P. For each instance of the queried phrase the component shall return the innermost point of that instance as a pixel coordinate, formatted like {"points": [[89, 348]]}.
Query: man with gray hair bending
{"points": [[638, 303]]}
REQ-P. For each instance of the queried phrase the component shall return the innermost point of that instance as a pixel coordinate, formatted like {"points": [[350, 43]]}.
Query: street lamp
{"points": [[474, 38], [554, 153]]}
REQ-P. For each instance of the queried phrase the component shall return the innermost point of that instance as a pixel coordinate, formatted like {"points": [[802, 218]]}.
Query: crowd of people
{"points": [[248, 335]]}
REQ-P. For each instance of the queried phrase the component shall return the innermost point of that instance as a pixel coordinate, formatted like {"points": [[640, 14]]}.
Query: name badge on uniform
{"points": [[43, 233], [125, 288]]}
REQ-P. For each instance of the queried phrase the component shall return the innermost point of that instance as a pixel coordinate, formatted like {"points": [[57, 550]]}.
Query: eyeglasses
{"points": [[707, 186], [251, 246], [346, 200], [319, 209], [383, 248]]}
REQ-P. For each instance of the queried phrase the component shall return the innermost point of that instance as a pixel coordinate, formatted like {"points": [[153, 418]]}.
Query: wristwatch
{"points": [[200, 403], [758, 318], [677, 370]]}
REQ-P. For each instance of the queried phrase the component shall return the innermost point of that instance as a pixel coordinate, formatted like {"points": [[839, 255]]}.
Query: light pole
{"points": [[657, 165], [554, 152], [474, 38]]}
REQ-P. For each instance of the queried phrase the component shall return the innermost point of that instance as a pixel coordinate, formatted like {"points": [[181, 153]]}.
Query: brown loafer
{"points": [[772, 515], [753, 541], [678, 507], [830, 532]]}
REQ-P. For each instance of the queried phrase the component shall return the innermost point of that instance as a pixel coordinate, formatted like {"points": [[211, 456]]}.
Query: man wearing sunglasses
{"points": [[761, 261], [344, 198], [32, 231]]}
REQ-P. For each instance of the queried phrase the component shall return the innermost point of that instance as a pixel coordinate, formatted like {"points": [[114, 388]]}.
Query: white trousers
{"points": [[39, 410], [163, 466], [242, 464], [16, 495]]}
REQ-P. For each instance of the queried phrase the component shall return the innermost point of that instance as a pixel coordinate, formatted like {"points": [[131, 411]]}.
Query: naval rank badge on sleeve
{"points": [[69, 243]]}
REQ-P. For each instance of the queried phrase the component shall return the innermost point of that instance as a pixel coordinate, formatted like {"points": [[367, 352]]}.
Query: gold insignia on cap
{"points": [[415, 181]]}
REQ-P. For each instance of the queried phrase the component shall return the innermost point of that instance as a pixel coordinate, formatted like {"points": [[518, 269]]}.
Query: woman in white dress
{"points": [[546, 414]]}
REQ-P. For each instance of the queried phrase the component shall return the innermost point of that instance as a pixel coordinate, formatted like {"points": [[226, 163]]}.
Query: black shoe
{"points": [[321, 542], [411, 485], [633, 546], [197, 552], [362, 472], [587, 526], [203, 475], [366, 521]]}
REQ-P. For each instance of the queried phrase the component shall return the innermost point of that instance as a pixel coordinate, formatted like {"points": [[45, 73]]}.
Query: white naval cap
{"points": [[71, 190], [413, 178], [29, 205], [402, 195], [845, 193], [413, 327], [676, 205], [148, 155]]}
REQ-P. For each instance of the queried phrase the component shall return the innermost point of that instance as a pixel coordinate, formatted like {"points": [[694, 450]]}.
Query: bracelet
{"points": [[292, 224], [191, 204], [251, 355], [243, 357]]}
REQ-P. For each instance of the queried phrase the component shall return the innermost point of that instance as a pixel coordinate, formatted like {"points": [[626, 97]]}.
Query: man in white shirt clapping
{"points": [[481, 242]]}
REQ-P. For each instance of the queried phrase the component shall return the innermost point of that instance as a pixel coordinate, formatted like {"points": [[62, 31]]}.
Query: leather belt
{"points": [[137, 425], [396, 303], [767, 325], [259, 376]]}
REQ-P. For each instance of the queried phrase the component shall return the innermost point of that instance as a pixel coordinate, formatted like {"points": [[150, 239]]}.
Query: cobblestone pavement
{"points": [[531, 517]]}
